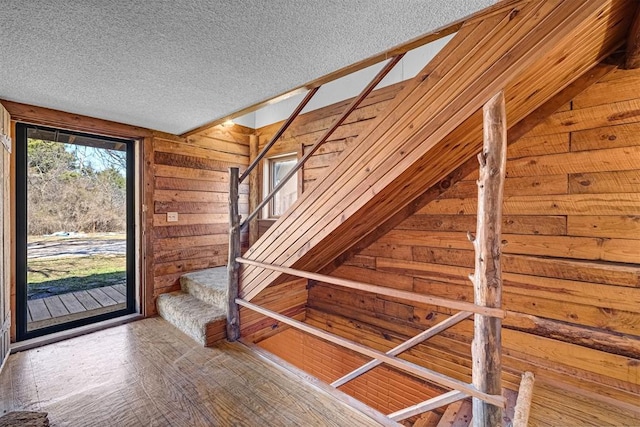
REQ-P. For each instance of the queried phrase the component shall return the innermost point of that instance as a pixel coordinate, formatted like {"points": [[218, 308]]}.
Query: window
{"points": [[278, 168]]}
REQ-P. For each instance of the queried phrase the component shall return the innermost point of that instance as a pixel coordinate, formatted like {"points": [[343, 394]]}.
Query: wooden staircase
{"points": [[531, 49]]}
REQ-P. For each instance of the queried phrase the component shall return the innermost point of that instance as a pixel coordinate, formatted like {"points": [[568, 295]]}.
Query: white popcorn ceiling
{"points": [[173, 65]]}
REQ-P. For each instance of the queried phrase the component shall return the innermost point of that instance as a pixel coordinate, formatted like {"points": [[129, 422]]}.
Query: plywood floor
{"points": [[148, 373]]}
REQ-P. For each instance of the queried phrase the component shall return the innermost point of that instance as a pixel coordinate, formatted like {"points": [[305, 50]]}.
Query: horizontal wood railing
{"points": [[461, 389], [412, 368], [381, 290]]}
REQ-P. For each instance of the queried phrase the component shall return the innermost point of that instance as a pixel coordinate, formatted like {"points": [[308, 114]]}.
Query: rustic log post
{"points": [[487, 278], [233, 268], [523, 404], [633, 43]]}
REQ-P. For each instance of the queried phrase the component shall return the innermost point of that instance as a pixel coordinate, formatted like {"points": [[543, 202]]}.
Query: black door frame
{"points": [[21, 237]]}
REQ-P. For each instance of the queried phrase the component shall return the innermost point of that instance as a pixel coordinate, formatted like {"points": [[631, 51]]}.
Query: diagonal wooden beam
{"points": [[516, 132], [428, 405], [334, 125], [295, 113], [422, 336]]}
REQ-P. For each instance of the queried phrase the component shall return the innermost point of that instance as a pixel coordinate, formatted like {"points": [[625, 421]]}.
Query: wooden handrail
{"points": [[279, 133], [381, 290], [411, 342], [354, 104], [412, 368]]}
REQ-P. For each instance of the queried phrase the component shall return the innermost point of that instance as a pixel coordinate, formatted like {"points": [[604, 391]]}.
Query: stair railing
{"points": [[236, 226], [350, 109], [486, 349], [459, 389]]}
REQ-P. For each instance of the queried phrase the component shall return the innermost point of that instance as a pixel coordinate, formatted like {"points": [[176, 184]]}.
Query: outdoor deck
{"points": [[149, 373], [63, 308]]}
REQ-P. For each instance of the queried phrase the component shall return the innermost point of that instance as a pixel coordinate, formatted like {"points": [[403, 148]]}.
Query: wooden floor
{"points": [[58, 309], [148, 373]]}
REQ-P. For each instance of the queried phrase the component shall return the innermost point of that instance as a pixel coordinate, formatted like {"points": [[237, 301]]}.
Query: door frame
{"points": [[20, 148]]}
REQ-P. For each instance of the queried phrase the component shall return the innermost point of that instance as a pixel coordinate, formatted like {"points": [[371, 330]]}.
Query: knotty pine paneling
{"points": [[191, 178]]}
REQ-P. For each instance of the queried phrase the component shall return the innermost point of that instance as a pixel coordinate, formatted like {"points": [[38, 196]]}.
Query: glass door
{"points": [[75, 229]]}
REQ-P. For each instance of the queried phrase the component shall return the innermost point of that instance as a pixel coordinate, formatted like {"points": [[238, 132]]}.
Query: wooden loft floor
{"points": [[149, 373]]}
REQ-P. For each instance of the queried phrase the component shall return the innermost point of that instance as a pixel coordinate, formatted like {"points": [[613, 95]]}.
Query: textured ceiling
{"points": [[174, 65]]}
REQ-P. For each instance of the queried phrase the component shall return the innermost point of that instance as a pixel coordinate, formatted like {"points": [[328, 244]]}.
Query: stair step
{"points": [[209, 286], [203, 322]]}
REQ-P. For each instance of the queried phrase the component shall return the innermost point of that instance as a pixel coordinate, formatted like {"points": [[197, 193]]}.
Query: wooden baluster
{"points": [[233, 268], [487, 278]]}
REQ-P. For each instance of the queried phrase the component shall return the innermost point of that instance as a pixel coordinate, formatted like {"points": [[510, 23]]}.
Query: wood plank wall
{"points": [[289, 298], [191, 177], [572, 265]]}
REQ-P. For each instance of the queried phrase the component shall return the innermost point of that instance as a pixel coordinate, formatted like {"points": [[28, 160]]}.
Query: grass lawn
{"points": [[55, 276]]}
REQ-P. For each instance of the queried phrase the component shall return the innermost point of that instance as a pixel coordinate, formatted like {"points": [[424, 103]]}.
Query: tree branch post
{"points": [[233, 268], [487, 278]]}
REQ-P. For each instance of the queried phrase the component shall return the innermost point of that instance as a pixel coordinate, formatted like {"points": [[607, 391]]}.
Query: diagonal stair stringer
{"points": [[433, 125]]}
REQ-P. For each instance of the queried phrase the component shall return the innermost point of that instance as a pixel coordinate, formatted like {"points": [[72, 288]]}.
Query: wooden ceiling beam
{"points": [[633, 43], [74, 122]]}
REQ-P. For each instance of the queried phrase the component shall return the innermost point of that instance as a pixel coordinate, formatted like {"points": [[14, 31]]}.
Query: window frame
{"points": [[268, 180]]}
